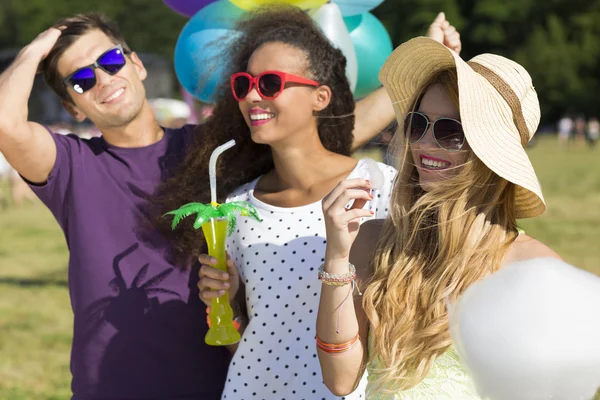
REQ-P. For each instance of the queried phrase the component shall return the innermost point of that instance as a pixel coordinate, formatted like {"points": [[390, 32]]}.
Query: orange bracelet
{"points": [[337, 348], [236, 322]]}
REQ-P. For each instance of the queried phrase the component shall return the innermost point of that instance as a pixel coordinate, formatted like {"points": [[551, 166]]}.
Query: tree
{"points": [[556, 40], [147, 25]]}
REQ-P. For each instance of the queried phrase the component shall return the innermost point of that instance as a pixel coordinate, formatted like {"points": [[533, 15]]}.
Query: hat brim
{"points": [[486, 117]]}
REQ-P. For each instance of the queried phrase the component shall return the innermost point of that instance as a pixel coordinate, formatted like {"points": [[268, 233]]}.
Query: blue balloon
{"points": [[195, 62], [198, 66], [355, 7], [373, 46]]}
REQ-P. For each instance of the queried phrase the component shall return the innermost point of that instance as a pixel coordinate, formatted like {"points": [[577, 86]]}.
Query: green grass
{"points": [[35, 313], [571, 184], [36, 317]]}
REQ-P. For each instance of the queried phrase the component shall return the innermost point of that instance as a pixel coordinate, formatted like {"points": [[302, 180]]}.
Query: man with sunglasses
{"points": [[139, 325]]}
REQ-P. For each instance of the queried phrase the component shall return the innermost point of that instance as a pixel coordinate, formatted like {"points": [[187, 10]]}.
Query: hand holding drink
{"points": [[217, 222]]}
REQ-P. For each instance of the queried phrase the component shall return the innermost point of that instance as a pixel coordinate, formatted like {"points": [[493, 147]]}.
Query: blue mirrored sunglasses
{"points": [[84, 78]]}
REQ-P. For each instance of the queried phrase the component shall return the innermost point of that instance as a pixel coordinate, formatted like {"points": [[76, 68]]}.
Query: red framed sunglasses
{"points": [[269, 84]]}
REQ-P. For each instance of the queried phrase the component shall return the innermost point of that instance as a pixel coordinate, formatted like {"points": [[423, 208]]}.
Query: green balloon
{"points": [[373, 46]]}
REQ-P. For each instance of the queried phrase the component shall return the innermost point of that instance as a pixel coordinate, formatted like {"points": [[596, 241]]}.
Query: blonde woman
{"points": [[464, 180]]}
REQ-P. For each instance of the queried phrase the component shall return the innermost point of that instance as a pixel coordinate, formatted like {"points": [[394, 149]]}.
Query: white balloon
{"points": [[531, 331], [330, 20]]}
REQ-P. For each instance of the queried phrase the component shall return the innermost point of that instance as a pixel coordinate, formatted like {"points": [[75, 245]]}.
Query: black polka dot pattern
{"points": [[278, 260]]}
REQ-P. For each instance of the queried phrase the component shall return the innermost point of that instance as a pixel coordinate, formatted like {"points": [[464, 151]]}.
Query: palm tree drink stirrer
{"points": [[217, 222]]}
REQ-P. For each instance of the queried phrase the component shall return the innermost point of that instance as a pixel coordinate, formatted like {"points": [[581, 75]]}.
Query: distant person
{"points": [[593, 132], [170, 113], [580, 128], [565, 128], [13, 190]]}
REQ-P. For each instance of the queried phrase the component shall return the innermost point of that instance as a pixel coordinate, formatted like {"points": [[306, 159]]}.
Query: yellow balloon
{"points": [[303, 4]]}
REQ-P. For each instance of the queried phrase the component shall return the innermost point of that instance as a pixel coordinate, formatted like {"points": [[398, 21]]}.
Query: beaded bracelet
{"points": [[337, 280], [340, 280]]}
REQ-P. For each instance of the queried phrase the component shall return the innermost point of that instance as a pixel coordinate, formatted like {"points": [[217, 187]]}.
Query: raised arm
{"points": [[340, 319], [375, 112], [27, 146], [372, 115]]}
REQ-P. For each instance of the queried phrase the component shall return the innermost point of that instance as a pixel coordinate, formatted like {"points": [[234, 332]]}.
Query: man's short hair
{"points": [[72, 29]]}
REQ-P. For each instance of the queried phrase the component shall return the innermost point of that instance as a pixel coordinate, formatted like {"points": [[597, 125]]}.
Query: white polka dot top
{"points": [[278, 260]]}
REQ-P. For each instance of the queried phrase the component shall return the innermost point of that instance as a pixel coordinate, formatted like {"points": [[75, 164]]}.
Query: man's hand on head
{"points": [[44, 42]]}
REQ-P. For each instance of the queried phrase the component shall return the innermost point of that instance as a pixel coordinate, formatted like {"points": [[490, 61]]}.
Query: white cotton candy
{"points": [[531, 331], [375, 174]]}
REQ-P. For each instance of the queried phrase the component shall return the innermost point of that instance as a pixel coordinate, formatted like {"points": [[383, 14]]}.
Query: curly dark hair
{"points": [[248, 160]]}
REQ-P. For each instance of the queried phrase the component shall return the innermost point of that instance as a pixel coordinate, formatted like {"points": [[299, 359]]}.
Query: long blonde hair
{"points": [[434, 245]]}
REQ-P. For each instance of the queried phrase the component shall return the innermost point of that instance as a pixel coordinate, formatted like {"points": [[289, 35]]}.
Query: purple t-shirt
{"points": [[139, 326]]}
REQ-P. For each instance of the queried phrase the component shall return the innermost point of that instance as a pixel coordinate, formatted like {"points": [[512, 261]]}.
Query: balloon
{"points": [[187, 8], [196, 63], [329, 18], [221, 14], [303, 4], [204, 37], [355, 7], [373, 46], [530, 331]]}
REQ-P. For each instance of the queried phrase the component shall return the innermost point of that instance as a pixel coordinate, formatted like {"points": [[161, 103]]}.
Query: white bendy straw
{"points": [[212, 169]]}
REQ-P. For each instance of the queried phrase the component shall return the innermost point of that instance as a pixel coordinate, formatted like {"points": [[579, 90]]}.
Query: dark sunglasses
{"points": [[269, 84], [84, 78], [447, 132]]}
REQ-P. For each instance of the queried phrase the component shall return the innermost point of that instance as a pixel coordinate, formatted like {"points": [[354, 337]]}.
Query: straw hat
{"points": [[499, 108]]}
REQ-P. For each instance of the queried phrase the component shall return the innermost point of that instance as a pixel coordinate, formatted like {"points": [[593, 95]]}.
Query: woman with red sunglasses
{"points": [[290, 109], [289, 106]]}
